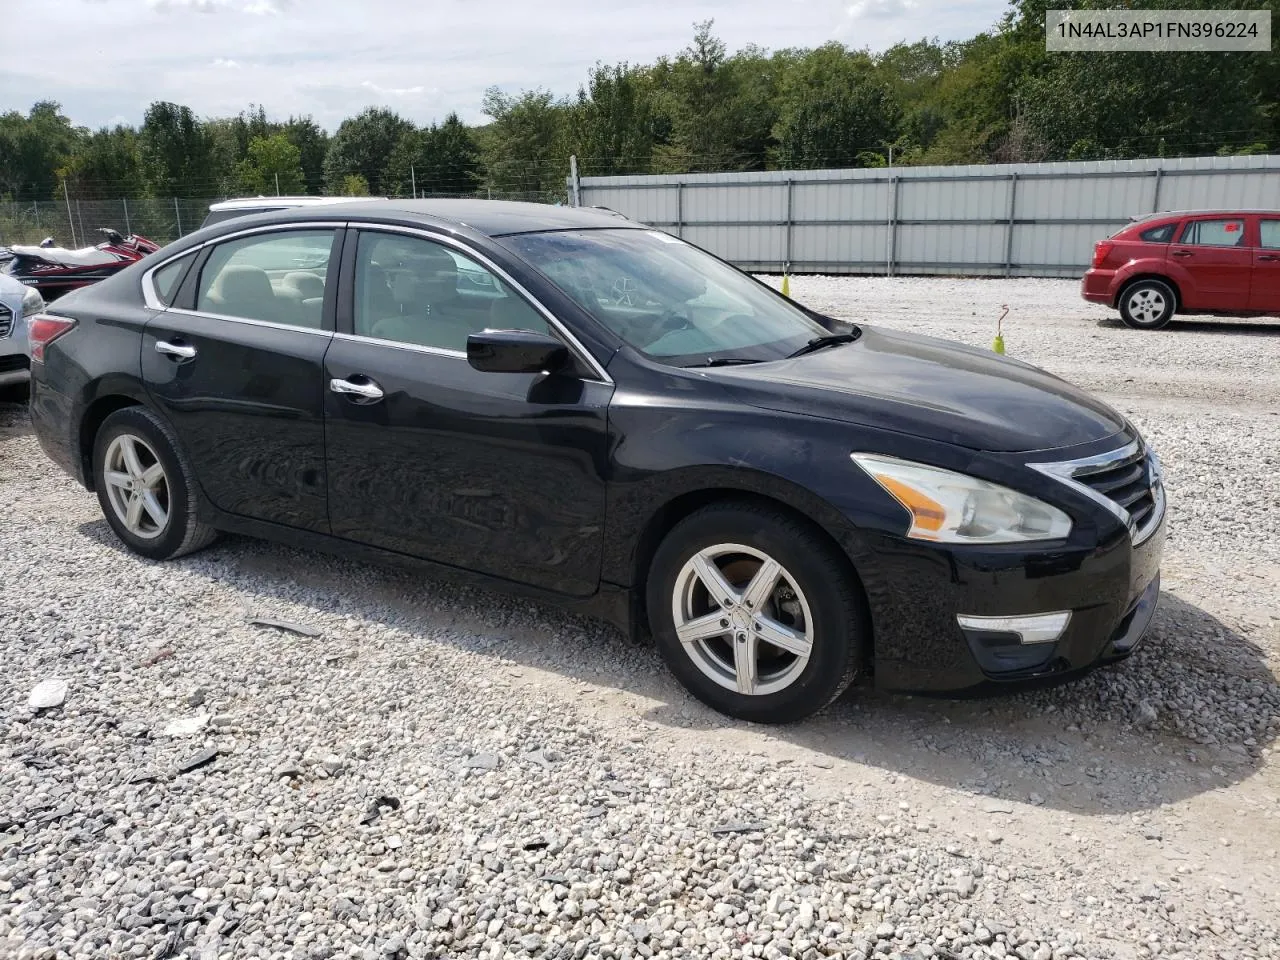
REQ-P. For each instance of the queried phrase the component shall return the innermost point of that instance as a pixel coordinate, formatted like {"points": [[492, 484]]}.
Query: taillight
{"points": [[1101, 250], [42, 330]]}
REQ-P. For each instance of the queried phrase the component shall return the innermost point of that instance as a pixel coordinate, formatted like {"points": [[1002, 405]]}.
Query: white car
{"points": [[18, 303], [243, 206]]}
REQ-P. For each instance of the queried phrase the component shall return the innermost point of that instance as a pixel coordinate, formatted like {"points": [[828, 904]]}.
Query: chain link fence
{"points": [[75, 223]]}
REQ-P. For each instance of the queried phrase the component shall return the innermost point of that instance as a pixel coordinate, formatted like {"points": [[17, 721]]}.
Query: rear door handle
{"points": [[365, 391], [182, 351], [1182, 253], [1267, 257]]}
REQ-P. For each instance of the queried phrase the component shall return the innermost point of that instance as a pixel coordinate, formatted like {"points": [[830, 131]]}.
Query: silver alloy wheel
{"points": [[742, 619], [137, 486], [1147, 304]]}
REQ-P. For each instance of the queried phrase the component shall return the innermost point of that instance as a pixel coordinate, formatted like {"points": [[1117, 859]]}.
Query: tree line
{"points": [[997, 97]]}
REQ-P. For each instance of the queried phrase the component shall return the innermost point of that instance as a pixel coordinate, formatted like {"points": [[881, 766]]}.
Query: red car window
{"points": [[1214, 233]]}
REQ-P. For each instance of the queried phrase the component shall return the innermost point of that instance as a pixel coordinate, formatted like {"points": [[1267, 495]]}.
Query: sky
{"points": [[108, 59]]}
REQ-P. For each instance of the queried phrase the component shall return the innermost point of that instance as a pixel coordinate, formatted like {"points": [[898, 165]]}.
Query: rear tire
{"points": [[146, 486], [779, 582], [1147, 305]]}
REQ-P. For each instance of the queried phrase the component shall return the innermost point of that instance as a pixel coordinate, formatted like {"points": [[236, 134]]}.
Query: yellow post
{"points": [[786, 285], [998, 346]]}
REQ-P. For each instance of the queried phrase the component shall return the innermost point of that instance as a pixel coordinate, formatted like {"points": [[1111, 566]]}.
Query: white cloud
{"points": [[333, 58], [200, 6], [393, 91], [881, 9]]}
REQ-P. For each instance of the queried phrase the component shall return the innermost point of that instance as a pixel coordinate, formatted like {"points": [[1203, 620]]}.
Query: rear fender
{"points": [[1157, 268]]}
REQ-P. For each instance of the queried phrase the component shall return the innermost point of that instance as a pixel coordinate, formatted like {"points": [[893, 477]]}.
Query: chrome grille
{"points": [[1126, 481], [6, 321]]}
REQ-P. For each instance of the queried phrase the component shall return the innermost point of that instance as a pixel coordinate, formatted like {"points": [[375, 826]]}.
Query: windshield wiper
{"points": [[830, 340], [722, 362]]}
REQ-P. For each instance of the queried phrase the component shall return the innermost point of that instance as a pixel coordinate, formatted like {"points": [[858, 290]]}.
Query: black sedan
{"points": [[570, 404]]}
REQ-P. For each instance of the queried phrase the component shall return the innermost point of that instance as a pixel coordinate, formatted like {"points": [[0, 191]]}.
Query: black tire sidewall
{"points": [[832, 603], [133, 421], [1169, 296]]}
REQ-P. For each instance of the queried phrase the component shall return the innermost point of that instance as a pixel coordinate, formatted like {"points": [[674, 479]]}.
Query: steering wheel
{"points": [[672, 321]]}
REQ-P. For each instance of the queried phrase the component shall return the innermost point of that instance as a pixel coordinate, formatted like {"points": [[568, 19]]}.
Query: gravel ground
{"points": [[441, 772]]}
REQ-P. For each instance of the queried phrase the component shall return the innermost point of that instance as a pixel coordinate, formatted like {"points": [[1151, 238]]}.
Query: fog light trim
{"points": [[1037, 628]]}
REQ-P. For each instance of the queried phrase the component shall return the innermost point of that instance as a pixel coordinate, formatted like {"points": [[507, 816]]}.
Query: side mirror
{"points": [[516, 351]]}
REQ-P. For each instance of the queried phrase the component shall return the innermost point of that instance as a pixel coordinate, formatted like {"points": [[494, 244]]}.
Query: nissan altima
{"points": [[566, 403]]}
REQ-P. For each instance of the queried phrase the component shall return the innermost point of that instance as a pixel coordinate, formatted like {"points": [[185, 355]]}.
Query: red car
{"points": [[1204, 261]]}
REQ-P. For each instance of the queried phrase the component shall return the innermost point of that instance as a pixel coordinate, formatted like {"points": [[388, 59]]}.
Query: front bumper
{"points": [[1110, 590]]}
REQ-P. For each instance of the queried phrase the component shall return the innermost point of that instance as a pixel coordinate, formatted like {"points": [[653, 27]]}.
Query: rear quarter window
{"points": [[1160, 234]]}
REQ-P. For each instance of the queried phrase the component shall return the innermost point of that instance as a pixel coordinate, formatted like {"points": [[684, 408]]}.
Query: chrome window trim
{"points": [[250, 321], [415, 347], [1069, 472], [152, 300], [575, 345]]}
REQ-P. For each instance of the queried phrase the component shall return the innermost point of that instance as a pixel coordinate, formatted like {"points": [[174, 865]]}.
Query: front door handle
{"points": [[1267, 257], [365, 391], [182, 351], [1182, 253]]}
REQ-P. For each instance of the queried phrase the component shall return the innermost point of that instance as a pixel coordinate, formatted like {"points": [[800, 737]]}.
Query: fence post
{"points": [[575, 182], [1008, 236], [80, 217], [680, 210], [791, 189], [128, 229], [35, 209], [71, 225], [413, 182], [177, 215], [1155, 199], [891, 240]]}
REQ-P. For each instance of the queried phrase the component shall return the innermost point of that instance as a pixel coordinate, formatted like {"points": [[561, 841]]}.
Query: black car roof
{"points": [[493, 218]]}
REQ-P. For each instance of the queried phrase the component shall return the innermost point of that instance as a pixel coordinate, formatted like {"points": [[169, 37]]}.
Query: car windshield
{"points": [[669, 300]]}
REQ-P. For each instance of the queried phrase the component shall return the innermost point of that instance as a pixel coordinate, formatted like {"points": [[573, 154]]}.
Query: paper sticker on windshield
{"points": [[664, 237]]}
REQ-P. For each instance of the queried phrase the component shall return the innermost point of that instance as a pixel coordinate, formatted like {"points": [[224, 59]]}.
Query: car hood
{"points": [[930, 388]]}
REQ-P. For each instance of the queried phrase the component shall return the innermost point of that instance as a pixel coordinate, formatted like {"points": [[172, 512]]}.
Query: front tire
{"points": [[756, 613], [1148, 305], [146, 486]]}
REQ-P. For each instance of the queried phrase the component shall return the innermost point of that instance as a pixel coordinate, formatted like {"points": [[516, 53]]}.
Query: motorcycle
{"points": [[55, 270]]}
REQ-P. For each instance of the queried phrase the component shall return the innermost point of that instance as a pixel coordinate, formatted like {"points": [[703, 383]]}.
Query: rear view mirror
{"points": [[516, 351]]}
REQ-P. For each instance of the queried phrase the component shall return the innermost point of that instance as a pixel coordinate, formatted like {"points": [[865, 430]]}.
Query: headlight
{"points": [[32, 302], [949, 507]]}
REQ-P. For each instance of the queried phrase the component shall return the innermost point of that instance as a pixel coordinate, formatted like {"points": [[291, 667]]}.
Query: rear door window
{"points": [[272, 277], [1214, 233]]}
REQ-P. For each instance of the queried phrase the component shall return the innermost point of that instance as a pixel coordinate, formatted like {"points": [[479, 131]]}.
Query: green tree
{"points": [[363, 146], [526, 146], [32, 149], [615, 121], [442, 159], [353, 185], [177, 152], [834, 109], [106, 164], [312, 143], [272, 165]]}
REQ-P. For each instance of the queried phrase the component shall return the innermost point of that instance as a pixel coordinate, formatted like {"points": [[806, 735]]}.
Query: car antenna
{"points": [[998, 346]]}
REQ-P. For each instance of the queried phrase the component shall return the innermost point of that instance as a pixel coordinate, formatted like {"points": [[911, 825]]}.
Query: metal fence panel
{"points": [[984, 220]]}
